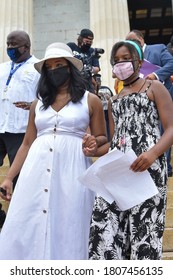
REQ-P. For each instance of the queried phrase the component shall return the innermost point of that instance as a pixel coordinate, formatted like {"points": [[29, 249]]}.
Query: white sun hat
{"points": [[57, 50]]}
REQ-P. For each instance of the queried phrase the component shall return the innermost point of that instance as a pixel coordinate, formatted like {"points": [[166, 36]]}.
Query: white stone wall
{"points": [[58, 21], [49, 21], [14, 14]]}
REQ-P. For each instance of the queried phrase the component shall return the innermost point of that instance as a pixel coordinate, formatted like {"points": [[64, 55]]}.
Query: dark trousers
{"points": [[107, 124], [9, 145], [168, 156]]}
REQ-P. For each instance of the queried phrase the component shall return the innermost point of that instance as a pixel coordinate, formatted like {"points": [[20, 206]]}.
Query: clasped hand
{"points": [[89, 145], [6, 189]]}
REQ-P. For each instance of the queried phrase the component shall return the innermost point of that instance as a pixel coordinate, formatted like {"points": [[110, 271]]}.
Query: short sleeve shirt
{"points": [[86, 57]]}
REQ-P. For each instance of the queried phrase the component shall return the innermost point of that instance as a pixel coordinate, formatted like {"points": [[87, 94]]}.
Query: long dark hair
{"points": [[47, 92]]}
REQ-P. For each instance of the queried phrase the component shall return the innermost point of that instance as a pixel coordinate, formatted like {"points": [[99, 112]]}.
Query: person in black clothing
{"points": [[83, 51], [104, 93]]}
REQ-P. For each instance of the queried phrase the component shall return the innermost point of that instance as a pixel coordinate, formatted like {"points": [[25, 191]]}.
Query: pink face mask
{"points": [[123, 70]]}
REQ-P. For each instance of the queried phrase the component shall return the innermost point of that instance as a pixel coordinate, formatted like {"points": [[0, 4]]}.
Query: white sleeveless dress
{"points": [[50, 211]]}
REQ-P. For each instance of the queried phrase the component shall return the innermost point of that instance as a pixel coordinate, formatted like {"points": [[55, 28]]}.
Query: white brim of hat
{"points": [[58, 53]]}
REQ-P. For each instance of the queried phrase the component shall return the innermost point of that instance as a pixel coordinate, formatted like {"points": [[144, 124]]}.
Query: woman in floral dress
{"points": [[135, 116]]}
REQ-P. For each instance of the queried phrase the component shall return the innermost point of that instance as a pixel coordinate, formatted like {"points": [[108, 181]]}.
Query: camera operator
{"points": [[89, 56]]}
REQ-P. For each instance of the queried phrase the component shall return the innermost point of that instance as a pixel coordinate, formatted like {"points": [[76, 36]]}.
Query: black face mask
{"points": [[85, 47], [58, 76], [14, 53]]}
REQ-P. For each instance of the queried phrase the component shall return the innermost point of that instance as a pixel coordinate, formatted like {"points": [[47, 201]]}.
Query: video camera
{"points": [[97, 51], [87, 61]]}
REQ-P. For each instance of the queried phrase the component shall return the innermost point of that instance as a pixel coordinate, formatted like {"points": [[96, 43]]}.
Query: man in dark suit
{"points": [[157, 54], [170, 45]]}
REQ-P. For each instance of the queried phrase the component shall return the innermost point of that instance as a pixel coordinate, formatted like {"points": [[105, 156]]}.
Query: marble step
{"points": [[168, 240], [170, 199], [167, 256], [169, 217], [170, 184]]}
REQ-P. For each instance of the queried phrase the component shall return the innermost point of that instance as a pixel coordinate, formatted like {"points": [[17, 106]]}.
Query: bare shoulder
{"points": [[158, 88], [94, 103], [156, 83], [92, 96], [158, 91], [93, 99]]}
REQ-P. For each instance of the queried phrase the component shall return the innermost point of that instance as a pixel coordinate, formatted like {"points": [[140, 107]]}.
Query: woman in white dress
{"points": [[49, 213]]}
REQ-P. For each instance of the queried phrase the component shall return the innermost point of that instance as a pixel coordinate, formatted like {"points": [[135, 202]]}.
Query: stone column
{"points": [[14, 14], [109, 21]]}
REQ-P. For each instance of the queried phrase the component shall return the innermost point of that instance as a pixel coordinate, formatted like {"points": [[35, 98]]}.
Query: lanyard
{"points": [[13, 70]]}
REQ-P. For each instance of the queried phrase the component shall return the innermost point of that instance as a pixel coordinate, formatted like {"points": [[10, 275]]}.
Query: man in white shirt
{"points": [[18, 82]]}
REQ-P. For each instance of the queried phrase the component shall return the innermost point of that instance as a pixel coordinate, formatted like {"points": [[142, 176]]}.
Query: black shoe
{"points": [[169, 173], [2, 216]]}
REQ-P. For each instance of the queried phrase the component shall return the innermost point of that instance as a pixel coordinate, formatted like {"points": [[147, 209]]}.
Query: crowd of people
{"points": [[55, 116]]}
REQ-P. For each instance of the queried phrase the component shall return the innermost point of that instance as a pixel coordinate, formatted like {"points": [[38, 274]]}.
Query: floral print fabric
{"points": [[135, 233]]}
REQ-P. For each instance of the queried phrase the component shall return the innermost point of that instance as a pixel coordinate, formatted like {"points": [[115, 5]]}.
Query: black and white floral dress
{"points": [[136, 233]]}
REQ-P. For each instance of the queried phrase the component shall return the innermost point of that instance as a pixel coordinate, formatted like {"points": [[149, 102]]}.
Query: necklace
{"points": [[130, 84]]}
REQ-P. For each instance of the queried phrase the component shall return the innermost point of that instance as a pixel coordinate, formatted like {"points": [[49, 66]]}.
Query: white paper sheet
{"points": [[111, 178]]}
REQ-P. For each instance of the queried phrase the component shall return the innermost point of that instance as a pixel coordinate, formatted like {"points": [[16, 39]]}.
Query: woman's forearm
{"points": [[101, 140], [102, 150], [18, 162]]}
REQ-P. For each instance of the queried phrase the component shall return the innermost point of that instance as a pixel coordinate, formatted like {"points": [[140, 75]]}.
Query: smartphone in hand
{"points": [[23, 105]]}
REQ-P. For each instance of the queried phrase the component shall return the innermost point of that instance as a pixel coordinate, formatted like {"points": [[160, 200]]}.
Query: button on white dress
{"points": [[50, 211]]}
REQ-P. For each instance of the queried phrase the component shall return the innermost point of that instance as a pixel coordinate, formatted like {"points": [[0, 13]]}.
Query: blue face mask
{"points": [[14, 53]]}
